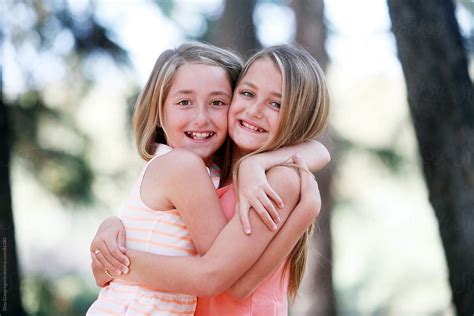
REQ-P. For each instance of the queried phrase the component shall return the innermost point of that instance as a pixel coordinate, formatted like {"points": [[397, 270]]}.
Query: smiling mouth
{"points": [[251, 127], [199, 135]]}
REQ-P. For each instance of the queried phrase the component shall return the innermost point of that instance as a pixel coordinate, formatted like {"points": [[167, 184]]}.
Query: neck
{"points": [[208, 162], [238, 153]]}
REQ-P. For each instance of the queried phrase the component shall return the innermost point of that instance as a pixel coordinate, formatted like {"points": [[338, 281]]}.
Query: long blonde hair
{"points": [[148, 113], [303, 116]]}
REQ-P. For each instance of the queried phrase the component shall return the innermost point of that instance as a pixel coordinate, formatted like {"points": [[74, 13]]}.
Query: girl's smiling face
{"points": [[195, 109], [255, 108]]}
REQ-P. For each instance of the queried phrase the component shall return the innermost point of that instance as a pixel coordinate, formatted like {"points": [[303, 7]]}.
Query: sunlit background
{"points": [[76, 103]]}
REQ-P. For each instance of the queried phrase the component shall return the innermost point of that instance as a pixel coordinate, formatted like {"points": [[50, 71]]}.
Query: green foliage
{"points": [[65, 295], [45, 136], [64, 173], [389, 157]]}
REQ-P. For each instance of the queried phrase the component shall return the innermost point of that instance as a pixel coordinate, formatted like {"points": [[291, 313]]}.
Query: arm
{"points": [[181, 177], [280, 247], [230, 256], [186, 182], [313, 153], [101, 278], [252, 186]]}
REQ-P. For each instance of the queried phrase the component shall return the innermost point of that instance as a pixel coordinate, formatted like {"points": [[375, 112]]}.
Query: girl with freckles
{"points": [[179, 238]]}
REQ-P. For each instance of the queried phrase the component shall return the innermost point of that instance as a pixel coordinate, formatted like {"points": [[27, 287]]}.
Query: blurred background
{"points": [[72, 69]]}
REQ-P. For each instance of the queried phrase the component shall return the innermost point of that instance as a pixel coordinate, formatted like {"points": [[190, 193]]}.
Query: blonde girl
{"points": [[288, 107]]}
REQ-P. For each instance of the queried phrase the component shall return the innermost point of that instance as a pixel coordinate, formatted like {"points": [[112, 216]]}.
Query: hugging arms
{"points": [[236, 263]]}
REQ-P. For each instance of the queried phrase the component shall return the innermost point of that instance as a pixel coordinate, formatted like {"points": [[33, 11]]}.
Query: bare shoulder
{"points": [[177, 161], [166, 174], [182, 157]]}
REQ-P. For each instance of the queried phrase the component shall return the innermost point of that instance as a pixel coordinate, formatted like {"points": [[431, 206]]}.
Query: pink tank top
{"points": [[269, 299]]}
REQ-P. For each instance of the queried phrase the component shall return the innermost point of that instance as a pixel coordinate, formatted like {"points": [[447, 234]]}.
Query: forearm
{"points": [[276, 253], [313, 153], [185, 274], [230, 256], [209, 275]]}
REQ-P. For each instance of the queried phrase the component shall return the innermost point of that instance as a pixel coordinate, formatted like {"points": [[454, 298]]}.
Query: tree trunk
{"points": [[235, 29], [317, 288], [310, 28], [441, 100], [10, 281]]}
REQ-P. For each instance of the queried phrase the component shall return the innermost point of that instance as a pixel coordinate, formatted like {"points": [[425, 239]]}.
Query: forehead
{"points": [[197, 76], [264, 72]]}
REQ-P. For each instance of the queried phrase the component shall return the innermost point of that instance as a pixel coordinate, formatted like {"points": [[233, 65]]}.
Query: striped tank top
{"points": [[158, 232]]}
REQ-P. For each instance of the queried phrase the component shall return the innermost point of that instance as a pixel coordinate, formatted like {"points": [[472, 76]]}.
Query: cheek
{"points": [[273, 122], [174, 121], [222, 121], [233, 110]]}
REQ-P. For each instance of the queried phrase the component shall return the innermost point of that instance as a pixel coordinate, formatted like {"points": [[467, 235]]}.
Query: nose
{"points": [[201, 116], [254, 109]]}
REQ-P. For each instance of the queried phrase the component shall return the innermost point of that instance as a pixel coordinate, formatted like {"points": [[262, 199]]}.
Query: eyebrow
{"points": [[220, 93], [191, 92], [251, 85]]}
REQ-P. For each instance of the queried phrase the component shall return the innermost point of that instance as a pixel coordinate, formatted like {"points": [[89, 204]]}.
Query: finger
{"points": [[244, 217], [300, 163], [264, 216], [114, 247], [103, 263], [96, 261], [305, 175], [274, 196], [121, 243], [269, 207], [309, 185], [116, 266]]}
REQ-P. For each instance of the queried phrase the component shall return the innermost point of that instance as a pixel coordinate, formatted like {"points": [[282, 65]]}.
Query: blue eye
{"points": [[275, 105], [247, 94]]}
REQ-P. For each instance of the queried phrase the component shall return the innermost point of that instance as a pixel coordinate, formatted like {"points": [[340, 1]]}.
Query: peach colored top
{"points": [[158, 232], [269, 299]]}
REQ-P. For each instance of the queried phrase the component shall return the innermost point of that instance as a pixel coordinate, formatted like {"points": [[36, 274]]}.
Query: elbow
{"points": [[211, 288], [325, 156], [213, 283], [312, 210]]}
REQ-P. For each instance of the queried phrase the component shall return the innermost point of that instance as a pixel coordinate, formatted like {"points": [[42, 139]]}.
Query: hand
{"points": [[254, 191], [108, 247], [309, 193], [102, 279]]}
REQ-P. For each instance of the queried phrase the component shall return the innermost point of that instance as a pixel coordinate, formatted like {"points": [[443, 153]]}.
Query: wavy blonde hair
{"points": [[148, 113], [303, 116]]}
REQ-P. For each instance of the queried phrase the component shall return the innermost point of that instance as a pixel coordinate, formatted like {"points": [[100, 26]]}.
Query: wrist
{"points": [[256, 162]]}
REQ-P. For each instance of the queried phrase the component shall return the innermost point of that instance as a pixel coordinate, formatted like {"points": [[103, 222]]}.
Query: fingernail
{"points": [[247, 230], [127, 262], [125, 270], [274, 227], [278, 219], [118, 272]]}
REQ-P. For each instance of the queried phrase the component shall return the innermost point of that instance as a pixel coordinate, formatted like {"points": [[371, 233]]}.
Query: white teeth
{"points": [[200, 135], [252, 127]]}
